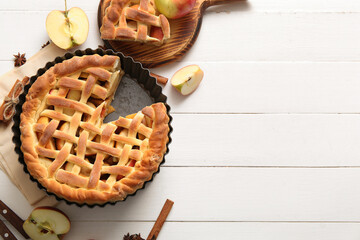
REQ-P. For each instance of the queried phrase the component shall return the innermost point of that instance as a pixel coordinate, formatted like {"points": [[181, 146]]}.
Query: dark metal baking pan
{"points": [[136, 90]]}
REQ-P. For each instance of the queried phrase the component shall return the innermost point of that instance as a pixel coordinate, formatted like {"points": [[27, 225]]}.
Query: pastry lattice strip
{"points": [[121, 149]]}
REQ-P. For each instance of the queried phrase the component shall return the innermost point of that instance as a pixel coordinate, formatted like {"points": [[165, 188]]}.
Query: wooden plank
{"points": [[218, 230], [215, 230], [265, 140], [278, 87], [264, 36], [239, 194], [304, 5], [277, 37]]}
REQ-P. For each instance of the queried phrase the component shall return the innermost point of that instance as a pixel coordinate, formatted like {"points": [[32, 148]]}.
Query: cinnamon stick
{"points": [[160, 220], [7, 109], [159, 79]]}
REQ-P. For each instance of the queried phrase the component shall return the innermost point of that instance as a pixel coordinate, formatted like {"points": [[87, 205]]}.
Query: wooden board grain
{"points": [[184, 32]]}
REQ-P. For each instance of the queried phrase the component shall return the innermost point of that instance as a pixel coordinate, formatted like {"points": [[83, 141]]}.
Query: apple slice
{"points": [[187, 79], [67, 29], [132, 163], [46, 223], [156, 32]]}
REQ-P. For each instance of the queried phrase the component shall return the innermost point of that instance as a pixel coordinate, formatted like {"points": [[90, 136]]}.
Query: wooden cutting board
{"points": [[184, 32]]}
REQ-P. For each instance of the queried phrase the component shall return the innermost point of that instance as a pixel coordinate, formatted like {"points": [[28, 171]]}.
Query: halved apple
{"points": [[67, 28], [187, 79], [46, 223]]}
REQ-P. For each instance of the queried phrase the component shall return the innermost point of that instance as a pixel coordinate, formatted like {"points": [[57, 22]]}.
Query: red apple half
{"points": [[46, 223]]}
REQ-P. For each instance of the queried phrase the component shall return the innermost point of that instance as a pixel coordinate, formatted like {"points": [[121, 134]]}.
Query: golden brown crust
{"points": [[115, 21], [39, 133], [152, 157]]}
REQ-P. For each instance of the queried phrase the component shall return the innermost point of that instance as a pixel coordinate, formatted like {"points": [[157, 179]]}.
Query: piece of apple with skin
{"points": [[187, 79], [156, 32], [175, 8], [132, 163], [46, 223], [68, 28]]}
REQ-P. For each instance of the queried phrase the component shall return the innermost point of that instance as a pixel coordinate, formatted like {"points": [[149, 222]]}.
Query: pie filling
{"points": [[74, 148]]}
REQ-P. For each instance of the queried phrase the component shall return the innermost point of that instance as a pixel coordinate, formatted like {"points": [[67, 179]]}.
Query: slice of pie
{"points": [[67, 147], [134, 20]]}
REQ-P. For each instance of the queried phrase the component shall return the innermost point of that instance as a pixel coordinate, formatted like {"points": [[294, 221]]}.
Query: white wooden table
{"points": [[268, 147]]}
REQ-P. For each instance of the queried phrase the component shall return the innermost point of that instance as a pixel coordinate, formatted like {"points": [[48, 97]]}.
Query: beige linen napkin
{"points": [[8, 158]]}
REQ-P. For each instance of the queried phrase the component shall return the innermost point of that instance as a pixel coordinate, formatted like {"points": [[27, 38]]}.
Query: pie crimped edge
{"points": [[63, 191]]}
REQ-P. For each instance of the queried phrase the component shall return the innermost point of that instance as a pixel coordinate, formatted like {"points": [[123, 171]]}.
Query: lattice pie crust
{"points": [[69, 150]]}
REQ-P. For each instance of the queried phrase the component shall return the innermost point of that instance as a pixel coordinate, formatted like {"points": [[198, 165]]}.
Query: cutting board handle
{"points": [[220, 2]]}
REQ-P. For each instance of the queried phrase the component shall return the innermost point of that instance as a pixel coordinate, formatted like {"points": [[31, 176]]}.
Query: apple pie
{"points": [[67, 147], [134, 20]]}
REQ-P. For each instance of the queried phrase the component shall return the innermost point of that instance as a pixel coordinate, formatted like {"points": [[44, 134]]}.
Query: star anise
{"points": [[133, 237], [19, 60], [45, 44]]}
